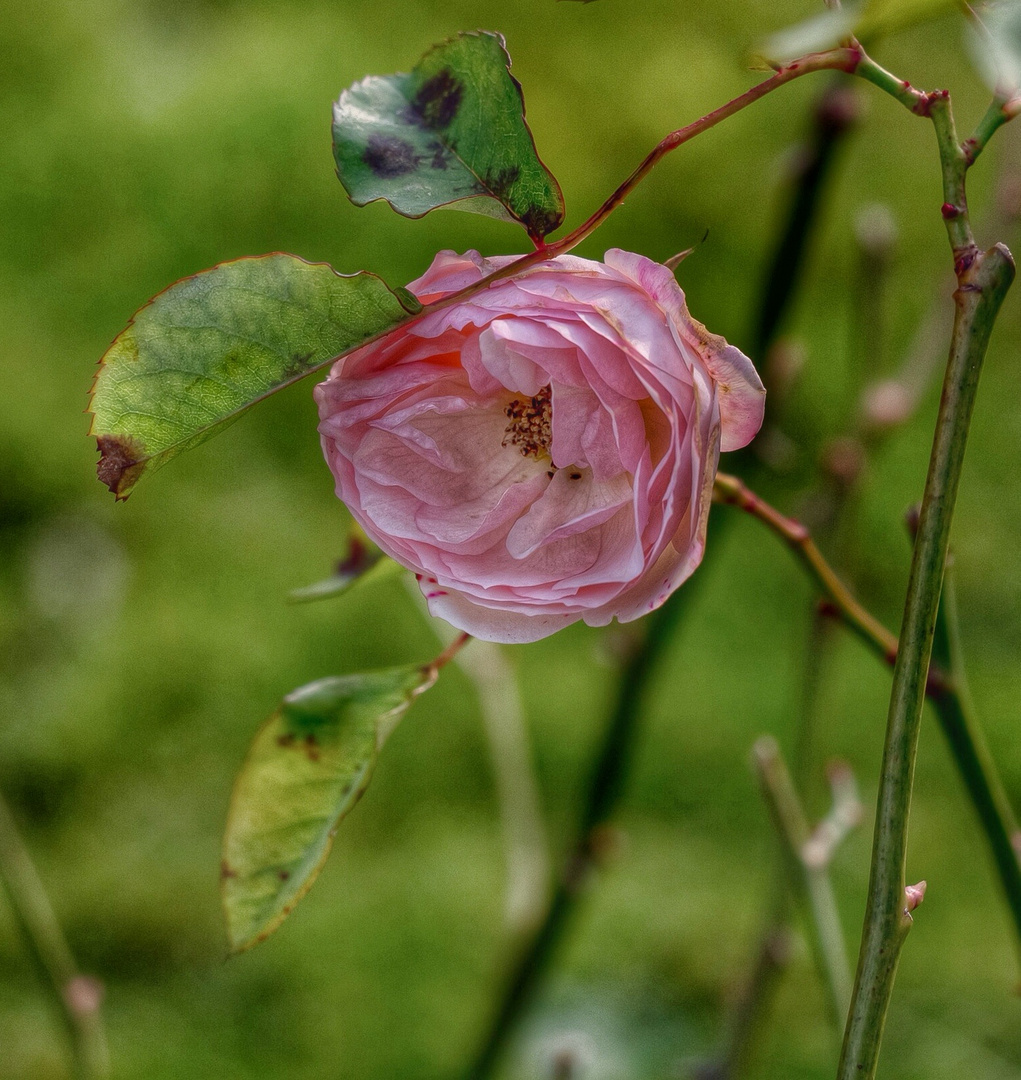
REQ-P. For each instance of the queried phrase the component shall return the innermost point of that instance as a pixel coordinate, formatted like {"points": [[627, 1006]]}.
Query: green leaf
{"points": [[451, 131], [997, 52], [306, 768], [204, 350]]}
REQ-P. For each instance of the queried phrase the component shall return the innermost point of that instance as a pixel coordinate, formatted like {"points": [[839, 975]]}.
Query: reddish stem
{"points": [[842, 59]]}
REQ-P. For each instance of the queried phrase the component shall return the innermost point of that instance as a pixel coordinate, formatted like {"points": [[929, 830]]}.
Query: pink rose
{"points": [[544, 451]]}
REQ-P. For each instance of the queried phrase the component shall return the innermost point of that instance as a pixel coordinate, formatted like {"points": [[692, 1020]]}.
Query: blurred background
{"points": [[142, 644]]}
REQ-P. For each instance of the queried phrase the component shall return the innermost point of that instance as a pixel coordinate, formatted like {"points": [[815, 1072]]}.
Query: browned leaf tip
{"points": [[121, 461]]}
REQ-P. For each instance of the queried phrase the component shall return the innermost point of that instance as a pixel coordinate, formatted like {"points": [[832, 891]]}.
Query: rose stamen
{"points": [[531, 424]]}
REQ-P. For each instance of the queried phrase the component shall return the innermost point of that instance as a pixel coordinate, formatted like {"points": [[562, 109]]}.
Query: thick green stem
{"points": [[982, 287]]}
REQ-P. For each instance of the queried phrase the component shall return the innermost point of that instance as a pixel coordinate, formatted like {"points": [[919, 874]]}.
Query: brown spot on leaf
{"points": [[539, 221], [287, 739], [436, 102], [226, 871], [121, 461], [389, 157], [283, 874]]}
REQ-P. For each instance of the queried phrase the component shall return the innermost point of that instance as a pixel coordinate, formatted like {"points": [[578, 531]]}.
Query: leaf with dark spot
{"points": [[436, 101], [389, 157], [306, 769], [451, 132], [204, 350]]}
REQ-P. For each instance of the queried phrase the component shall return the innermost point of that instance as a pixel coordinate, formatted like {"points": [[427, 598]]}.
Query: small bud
{"points": [[886, 404], [913, 896], [875, 230], [911, 518]]}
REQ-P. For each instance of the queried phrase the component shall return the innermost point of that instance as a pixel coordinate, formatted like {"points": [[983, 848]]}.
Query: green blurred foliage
{"points": [[141, 645]]}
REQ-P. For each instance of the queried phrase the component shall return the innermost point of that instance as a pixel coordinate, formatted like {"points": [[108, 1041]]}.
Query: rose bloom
{"points": [[545, 450]]}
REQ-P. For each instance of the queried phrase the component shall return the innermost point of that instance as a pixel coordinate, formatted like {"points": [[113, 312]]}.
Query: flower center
{"points": [[531, 424]]}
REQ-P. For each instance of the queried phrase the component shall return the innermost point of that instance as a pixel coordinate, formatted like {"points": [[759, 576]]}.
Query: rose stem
{"points": [[75, 996], [983, 280], [604, 788], [450, 651], [730, 491], [843, 59], [808, 863], [944, 689]]}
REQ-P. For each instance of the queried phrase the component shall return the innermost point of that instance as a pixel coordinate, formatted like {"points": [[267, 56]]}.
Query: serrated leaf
{"points": [[452, 131], [205, 349], [997, 52], [305, 770]]}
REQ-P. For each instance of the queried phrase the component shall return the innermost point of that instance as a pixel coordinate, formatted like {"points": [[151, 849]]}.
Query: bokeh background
{"points": [[142, 644]]}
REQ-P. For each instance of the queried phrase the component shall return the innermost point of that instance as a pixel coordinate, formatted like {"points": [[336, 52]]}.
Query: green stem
{"points": [[811, 876], [75, 997], [998, 113], [982, 286], [967, 743], [954, 166], [946, 689]]}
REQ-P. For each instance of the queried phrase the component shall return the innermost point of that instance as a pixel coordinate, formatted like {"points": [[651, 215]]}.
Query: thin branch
{"points": [[76, 997], [451, 651], [948, 697], [809, 867], [840, 59], [984, 281], [732, 492]]}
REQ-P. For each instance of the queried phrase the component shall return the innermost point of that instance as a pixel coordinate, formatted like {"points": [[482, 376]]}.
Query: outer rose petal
{"points": [[544, 451], [742, 395]]}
